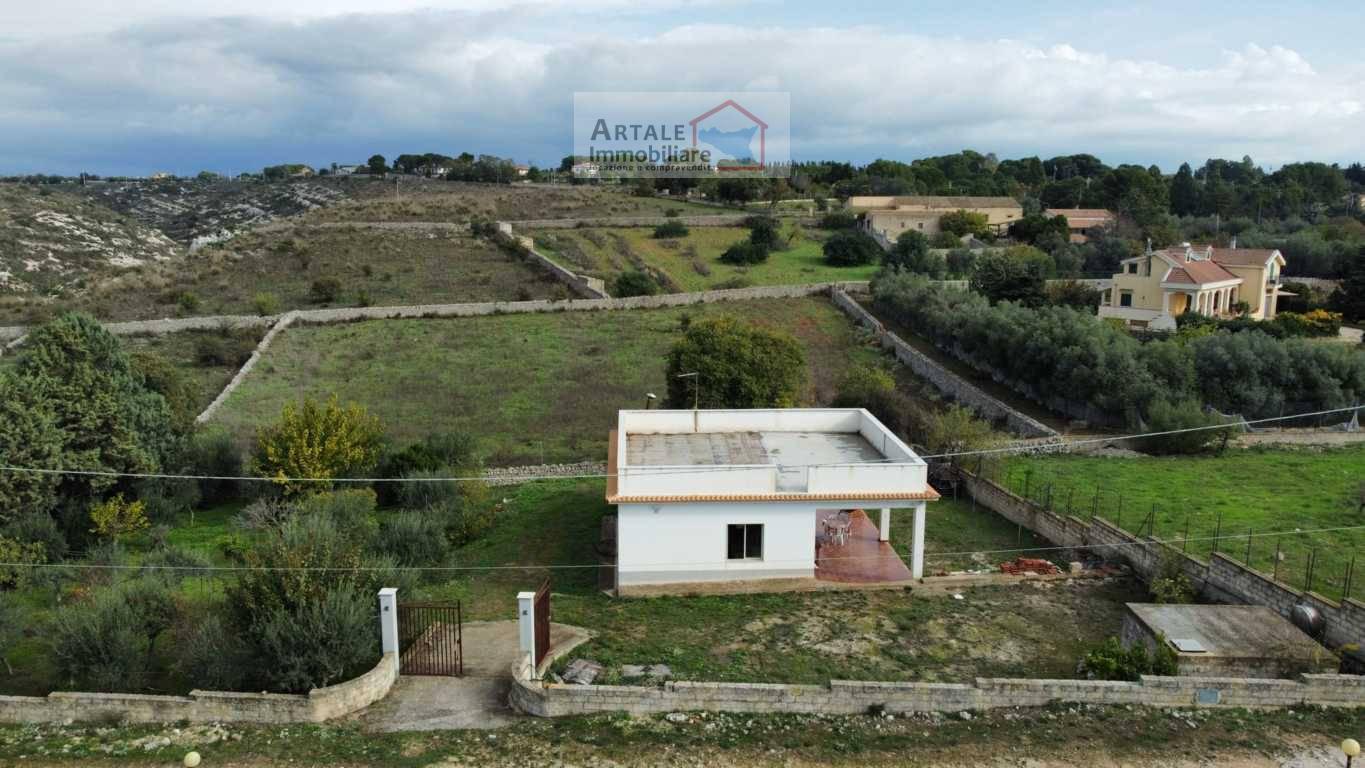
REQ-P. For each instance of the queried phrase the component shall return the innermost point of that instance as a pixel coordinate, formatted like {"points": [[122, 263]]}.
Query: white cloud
{"points": [[507, 77]]}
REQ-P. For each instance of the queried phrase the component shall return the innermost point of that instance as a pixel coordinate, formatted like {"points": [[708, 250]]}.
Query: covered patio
{"points": [[865, 556]]}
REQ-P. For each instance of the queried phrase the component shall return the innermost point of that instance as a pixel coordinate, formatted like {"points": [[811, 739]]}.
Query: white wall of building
{"points": [[677, 543]]}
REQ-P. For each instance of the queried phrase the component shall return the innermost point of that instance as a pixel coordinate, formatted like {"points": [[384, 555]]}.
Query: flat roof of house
{"points": [[780, 454], [1227, 631]]}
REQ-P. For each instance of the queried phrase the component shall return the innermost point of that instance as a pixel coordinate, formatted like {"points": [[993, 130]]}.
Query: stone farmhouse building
{"points": [[887, 217], [1084, 222], [1153, 289]]}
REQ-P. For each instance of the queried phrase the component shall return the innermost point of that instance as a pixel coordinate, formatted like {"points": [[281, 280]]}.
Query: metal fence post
{"points": [[1350, 576], [1185, 541], [1247, 559], [1278, 541], [1217, 532]]}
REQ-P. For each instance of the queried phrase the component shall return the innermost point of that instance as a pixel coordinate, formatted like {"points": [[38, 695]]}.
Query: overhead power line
{"points": [[1017, 448]]}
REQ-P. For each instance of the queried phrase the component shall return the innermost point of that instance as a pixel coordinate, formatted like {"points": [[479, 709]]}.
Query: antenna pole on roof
{"points": [[695, 376]]}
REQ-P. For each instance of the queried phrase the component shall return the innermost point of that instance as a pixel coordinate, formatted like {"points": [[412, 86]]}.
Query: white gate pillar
{"points": [[526, 623], [884, 525], [917, 544], [388, 619]]}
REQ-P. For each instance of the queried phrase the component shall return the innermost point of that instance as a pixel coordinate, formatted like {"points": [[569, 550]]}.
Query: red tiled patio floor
{"points": [[862, 559]]}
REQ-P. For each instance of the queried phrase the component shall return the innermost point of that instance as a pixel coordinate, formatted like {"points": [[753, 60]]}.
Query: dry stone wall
{"points": [[1219, 578], [843, 697], [318, 705], [947, 382]]}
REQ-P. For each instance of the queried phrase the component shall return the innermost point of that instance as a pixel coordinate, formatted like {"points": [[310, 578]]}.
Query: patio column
{"points": [[1165, 302], [884, 525], [917, 544]]}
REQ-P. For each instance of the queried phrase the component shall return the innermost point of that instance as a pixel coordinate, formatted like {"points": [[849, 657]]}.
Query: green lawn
{"points": [[532, 388], [692, 263], [1263, 491]]}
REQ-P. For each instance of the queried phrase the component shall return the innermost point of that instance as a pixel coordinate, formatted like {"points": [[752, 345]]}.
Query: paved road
{"points": [[477, 700]]}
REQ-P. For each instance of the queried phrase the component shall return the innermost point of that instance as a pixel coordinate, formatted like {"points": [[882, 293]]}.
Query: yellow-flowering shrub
{"points": [[115, 518], [317, 441]]}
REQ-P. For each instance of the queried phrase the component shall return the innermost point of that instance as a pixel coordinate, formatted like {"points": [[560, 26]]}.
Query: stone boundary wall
{"points": [[1220, 578], [318, 705], [516, 475], [587, 287], [716, 220], [284, 321], [399, 226], [844, 697], [17, 333], [945, 381]]}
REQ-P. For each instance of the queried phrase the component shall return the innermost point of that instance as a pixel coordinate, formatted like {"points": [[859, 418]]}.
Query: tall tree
{"points": [[1184, 192]]}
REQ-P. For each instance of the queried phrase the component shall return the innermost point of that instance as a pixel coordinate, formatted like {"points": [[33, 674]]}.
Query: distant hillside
{"points": [[55, 241], [197, 213]]}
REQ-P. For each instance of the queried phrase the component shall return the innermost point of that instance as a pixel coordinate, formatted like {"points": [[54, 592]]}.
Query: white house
{"points": [[712, 496]]}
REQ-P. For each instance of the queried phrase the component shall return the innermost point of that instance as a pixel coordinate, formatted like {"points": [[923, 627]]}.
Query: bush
{"points": [[211, 452], [325, 290], [227, 348], [1111, 661], [1074, 294], [739, 365], [851, 248], [961, 262], [317, 441], [866, 386], [670, 229], [946, 240], [1010, 277], [15, 560], [175, 564], [1170, 584], [265, 304], [469, 520], [166, 500], [912, 254], [1165, 416], [634, 282], [37, 528], [763, 232], [212, 656], [963, 222], [445, 449], [290, 641], [413, 538], [838, 220], [116, 519], [744, 253], [187, 301], [351, 511], [106, 644]]}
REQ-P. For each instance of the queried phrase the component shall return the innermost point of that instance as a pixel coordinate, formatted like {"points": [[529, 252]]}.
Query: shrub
{"points": [[325, 290], [413, 538], [744, 253], [211, 655], [851, 248], [15, 560], [1165, 416], [264, 515], [634, 282], [1170, 584], [116, 519], [350, 510], [670, 229], [1111, 661], [187, 301], [739, 365], [838, 220], [289, 641], [963, 222], [226, 349], [1005, 277], [166, 500], [763, 232], [37, 528], [961, 262], [175, 564], [170, 381], [1074, 294], [211, 452], [265, 303], [106, 644], [469, 520], [911, 254], [317, 441], [870, 387], [443, 449], [945, 240]]}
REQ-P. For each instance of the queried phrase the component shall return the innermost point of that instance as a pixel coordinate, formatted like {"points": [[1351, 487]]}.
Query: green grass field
{"points": [[692, 263], [531, 388], [1262, 491]]}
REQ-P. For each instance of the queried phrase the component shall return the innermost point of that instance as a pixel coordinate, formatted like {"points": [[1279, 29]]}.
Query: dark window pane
{"points": [[735, 550], [753, 541]]}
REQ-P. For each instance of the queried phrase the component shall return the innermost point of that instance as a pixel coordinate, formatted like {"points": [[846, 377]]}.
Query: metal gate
{"points": [[430, 639], [542, 606]]}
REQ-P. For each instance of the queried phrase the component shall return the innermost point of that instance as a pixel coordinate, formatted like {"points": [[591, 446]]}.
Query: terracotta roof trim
{"points": [[928, 494]]}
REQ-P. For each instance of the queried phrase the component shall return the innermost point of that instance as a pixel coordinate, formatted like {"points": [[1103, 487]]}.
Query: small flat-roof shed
{"points": [[1227, 640], [715, 496]]}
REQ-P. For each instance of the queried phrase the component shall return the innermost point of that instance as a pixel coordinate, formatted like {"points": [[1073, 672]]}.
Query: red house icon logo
{"points": [[737, 144]]}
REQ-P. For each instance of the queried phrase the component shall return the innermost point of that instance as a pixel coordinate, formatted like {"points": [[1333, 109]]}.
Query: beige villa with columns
{"points": [[1158, 286]]}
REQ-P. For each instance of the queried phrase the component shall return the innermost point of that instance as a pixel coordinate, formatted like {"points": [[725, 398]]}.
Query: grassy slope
{"points": [[692, 263], [461, 202], [1260, 490], [531, 387]]}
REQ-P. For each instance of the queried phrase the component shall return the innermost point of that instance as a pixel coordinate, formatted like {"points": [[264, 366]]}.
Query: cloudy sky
{"points": [[179, 85]]}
